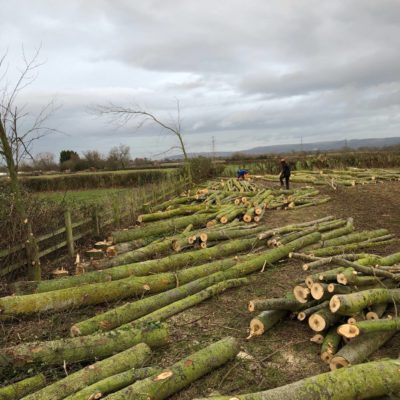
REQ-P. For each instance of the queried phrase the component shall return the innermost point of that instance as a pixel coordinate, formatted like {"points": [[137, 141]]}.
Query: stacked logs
{"points": [[334, 178], [349, 302]]}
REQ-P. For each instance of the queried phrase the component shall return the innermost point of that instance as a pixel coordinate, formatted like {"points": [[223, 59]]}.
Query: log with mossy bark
{"points": [[114, 383], [134, 357], [304, 314], [284, 303], [181, 374], [364, 381], [160, 228], [265, 321], [359, 349], [182, 210], [71, 350], [376, 311], [98, 293], [352, 303], [355, 237], [187, 302], [22, 388], [322, 319], [330, 345], [366, 327], [171, 262]]}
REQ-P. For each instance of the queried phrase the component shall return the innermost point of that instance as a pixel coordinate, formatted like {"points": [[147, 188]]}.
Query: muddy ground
{"points": [[281, 356]]}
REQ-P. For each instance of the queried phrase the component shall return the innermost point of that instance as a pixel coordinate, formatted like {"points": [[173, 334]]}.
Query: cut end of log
{"points": [[326, 357], [338, 362], [301, 316], [257, 218], [301, 294], [176, 246], [251, 307], [317, 291], [247, 218], [341, 278], [75, 331], [305, 267], [258, 211], [317, 323], [192, 239], [140, 219], [348, 331], [223, 220], [309, 282], [331, 287], [203, 245], [318, 338], [256, 328], [371, 315], [203, 237], [334, 303]]}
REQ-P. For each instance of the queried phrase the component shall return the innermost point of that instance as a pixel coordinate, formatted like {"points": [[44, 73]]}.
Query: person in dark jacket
{"points": [[241, 174], [285, 174]]}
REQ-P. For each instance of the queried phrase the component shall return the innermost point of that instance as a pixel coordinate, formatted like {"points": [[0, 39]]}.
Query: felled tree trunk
{"points": [[352, 303], [369, 326], [161, 227], [265, 321], [279, 304], [322, 319], [180, 374], [330, 345], [131, 358], [362, 381], [359, 349], [55, 352], [183, 210], [113, 383], [22, 388]]}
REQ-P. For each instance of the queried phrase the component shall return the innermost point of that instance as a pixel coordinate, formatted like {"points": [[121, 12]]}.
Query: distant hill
{"points": [[321, 146]]}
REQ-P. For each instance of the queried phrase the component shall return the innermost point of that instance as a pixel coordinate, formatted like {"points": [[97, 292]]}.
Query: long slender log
{"points": [[339, 232], [98, 293], [159, 215], [330, 345], [180, 374], [376, 311], [265, 321], [331, 275], [22, 388], [172, 262], [359, 349], [55, 352], [161, 227], [337, 250], [175, 308], [352, 303], [316, 264], [363, 381], [279, 304], [366, 327], [131, 358], [338, 289], [113, 383]]}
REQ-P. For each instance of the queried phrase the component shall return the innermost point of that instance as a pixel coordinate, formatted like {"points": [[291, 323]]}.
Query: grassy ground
{"points": [[281, 356]]}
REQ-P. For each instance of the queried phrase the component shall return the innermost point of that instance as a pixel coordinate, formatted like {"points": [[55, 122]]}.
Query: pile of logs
{"points": [[156, 289], [349, 301], [334, 178]]}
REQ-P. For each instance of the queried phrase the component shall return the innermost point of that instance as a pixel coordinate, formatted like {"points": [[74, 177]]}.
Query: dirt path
{"points": [[281, 356]]}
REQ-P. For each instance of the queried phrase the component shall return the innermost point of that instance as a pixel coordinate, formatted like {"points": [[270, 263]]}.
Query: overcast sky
{"points": [[248, 73]]}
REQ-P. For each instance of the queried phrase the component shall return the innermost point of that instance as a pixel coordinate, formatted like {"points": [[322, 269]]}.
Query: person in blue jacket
{"points": [[241, 174], [285, 174]]}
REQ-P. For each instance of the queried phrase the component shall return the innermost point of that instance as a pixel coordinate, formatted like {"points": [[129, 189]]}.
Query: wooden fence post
{"points": [[96, 221], [69, 233]]}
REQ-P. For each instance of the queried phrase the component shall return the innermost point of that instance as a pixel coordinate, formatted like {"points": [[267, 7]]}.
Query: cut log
{"points": [[359, 349], [162, 227], [366, 327], [265, 321], [113, 383], [339, 232], [131, 358], [352, 303], [318, 338], [376, 311], [177, 307], [319, 291], [331, 275], [55, 352], [22, 388], [302, 293], [316, 264], [345, 276], [330, 345], [279, 304], [301, 316], [363, 381], [180, 374], [182, 210], [322, 319], [338, 289], [355, 237]]}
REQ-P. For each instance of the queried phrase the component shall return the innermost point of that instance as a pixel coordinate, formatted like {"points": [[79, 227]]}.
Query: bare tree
{"points": [[16, 145], [123, 115], [119, 157]]}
